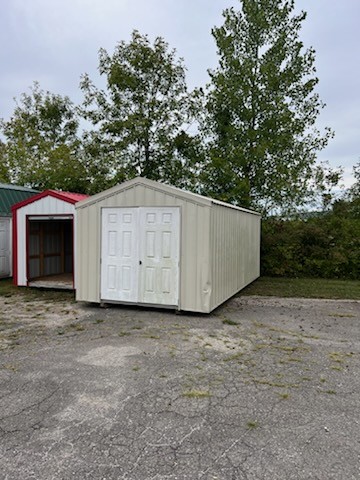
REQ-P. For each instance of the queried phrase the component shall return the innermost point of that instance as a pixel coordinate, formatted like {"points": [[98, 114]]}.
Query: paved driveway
{"points": [[264, 388]]}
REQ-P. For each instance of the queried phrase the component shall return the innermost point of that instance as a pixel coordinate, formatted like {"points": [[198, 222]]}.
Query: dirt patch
{"points": [[109, 356], [219, 341], [21, 315]]}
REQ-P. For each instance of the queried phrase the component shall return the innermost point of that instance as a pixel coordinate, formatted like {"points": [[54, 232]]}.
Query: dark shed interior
{"points": [[50, 248]]}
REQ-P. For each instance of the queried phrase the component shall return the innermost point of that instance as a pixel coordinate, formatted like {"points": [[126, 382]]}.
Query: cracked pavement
{"points": [[263, 388]]}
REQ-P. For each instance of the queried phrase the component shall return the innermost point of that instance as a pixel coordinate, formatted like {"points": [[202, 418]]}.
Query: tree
{"points": [[355, 188], [4, 177], [261, 110], [41, 146], [142, 117], [352, 200]]}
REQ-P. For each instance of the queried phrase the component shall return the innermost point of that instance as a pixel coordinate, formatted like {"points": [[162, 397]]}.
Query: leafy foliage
{"points": [[42, 148], [261, 110], [355, 189], [326, 246], [142, 115], [4, 176]]}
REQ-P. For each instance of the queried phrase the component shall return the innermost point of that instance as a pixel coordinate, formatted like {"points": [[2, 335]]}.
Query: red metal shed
{"points": [[44, 234]]}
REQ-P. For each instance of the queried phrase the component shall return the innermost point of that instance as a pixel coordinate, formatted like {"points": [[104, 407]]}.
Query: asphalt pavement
{"points": [[263, 388]]}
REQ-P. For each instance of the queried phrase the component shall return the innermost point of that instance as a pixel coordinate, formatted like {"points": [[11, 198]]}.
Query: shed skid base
{"points": [[108, 303]]}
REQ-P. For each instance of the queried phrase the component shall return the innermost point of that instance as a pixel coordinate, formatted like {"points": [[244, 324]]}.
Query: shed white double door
{"points": [[140, 255]]}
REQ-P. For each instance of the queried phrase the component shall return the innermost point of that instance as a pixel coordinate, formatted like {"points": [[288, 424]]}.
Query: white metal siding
{"points": [[44, 206], [194, 244], [235, 252], [219, 244], [5, 247], [87, 260]]}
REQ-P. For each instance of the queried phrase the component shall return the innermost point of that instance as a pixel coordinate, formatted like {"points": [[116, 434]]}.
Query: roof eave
{"points": [[161, 187], [18, 188], [39, 196]]}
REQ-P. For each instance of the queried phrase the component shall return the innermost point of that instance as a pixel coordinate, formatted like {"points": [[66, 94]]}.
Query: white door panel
{"points": [[140, 255], [159, 255], [5, 247], [119, 258]]}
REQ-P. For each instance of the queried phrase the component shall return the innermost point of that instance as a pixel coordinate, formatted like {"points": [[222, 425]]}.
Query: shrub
{"points": [[326, 246]]}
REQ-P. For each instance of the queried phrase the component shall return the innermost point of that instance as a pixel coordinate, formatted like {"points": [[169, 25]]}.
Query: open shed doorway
{"points": [[50, 252]]}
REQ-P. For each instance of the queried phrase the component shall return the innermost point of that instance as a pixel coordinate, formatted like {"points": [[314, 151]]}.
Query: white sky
{"points": [[55, 41]]}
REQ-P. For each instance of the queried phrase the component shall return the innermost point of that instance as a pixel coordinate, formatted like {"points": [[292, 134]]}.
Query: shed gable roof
{"points": [[162, 187], [64, 196], [11, 194]]}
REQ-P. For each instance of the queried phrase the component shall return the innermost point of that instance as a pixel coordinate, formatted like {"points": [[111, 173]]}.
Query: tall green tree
{"points": [[41, 147], [4, 176], [143, 116], [261, 110], [353, 197], [355, 188]]}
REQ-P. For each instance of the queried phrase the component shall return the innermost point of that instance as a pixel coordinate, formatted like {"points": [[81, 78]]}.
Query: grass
{"points": [[305, 288], [251, 424], [77, 326], [123, 333], [272, 286], [7, 289], [236, 356], [337, 368], [226, 321], [284, 396], [11, 367], [196, 393]]}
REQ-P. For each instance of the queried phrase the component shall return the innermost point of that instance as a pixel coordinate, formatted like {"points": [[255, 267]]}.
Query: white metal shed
{"points": [[5, 246], [44, 234], [9, 194], [144, 242]]}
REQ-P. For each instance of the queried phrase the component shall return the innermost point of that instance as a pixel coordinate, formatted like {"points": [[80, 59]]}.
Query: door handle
{"points": [[140, 262]]}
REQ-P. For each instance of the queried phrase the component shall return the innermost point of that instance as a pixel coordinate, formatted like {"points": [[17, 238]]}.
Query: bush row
{"points": [[326, 246]]}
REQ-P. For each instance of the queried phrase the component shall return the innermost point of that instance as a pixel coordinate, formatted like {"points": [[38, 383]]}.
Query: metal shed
{"points": [[147, 243], [44, 234], [9, 194]]}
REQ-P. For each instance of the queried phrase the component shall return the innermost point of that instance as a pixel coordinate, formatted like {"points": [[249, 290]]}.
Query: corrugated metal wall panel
{"points": [[235, 251], [93, 246], [194, 245], [87, 261], [34, 267], [52, 265], [81, 225]]}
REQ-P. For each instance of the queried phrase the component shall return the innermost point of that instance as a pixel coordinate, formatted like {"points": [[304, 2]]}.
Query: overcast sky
{"points": [[55, 41]]}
